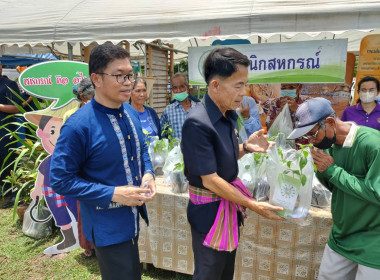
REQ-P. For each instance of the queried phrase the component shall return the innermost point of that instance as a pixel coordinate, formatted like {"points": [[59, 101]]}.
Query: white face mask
{"points": [[367, 97]]}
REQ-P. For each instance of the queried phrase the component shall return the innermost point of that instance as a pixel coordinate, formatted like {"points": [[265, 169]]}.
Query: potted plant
{"points": [[178, 180], [159, 148], [290, 174]]}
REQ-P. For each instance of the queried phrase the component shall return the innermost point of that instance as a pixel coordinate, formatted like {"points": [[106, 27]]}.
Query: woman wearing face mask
{"points": [[367, 111], [85, 91], [290, 94], [148, 117]]}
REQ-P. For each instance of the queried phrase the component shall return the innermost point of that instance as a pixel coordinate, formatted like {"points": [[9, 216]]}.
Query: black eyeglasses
{"points": [[121, 79]]}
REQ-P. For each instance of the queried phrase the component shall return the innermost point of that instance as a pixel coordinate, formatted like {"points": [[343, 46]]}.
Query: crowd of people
{"points": [[101, 159]]}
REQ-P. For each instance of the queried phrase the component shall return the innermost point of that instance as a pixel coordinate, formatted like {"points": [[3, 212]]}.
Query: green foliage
{"points": [[182, 66], [146, 133], [259, 158], [168, 131], [179, 167], [301, 157], [28, 156]]}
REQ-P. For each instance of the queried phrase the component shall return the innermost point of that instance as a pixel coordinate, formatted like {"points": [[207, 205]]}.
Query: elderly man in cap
{"points": [[349, 167]]}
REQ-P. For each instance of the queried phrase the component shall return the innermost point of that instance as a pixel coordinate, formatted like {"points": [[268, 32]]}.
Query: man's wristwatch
{"points": [[245, 147]]}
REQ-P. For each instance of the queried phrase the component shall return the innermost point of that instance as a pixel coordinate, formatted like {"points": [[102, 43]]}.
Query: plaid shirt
{"points": [[175, 115]]}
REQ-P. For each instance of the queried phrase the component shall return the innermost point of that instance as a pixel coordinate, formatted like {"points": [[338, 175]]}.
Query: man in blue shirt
{"points": [[175, 113], [101, 159], [250, 114]]}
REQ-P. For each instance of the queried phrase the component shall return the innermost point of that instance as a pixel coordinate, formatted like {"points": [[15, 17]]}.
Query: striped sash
{"points": [[224, 233]]}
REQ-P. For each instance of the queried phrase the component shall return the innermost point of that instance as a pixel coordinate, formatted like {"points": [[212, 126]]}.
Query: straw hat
{"points": [[62, 113]]}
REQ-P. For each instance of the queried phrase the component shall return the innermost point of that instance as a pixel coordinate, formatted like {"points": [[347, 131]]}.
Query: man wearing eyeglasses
{"points": [[349, 167], [101, 159], [175, 113]]}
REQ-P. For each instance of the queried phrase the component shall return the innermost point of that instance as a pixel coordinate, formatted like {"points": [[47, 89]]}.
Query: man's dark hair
{"points": [[104, 54], [223, 62], [369, 79]]}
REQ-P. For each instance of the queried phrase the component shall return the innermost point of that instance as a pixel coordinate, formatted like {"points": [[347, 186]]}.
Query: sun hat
{"points": [[61, 113], [309, 114]]}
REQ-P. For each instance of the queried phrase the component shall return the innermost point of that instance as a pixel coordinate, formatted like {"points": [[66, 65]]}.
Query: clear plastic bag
{"points": [[173, 171], [246, 171], [158, 151], [261, 190], [252, 172], [178, 182], [290, 174], [282, 124], [321, 196]]}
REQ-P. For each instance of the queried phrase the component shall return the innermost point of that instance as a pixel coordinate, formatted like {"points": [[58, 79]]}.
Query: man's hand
{"points": [[244, 111], [148, 178], [322, 160], [131, 195], [258, 142], [293, 106], [266, 210]]}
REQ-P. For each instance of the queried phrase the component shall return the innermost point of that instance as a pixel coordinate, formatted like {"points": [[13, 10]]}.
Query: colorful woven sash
{"points": [[224, 233]]}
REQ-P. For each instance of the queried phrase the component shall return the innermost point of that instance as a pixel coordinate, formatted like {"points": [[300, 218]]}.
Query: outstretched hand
{"points": [[258, 142], [266, 210]]}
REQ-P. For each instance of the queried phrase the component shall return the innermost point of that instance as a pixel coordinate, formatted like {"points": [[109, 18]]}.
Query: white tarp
{"points": [[45, 22]]}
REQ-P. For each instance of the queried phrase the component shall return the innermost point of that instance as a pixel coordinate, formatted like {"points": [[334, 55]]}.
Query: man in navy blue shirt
{"points": [[101, 159], [7, 108], [210, 151]]}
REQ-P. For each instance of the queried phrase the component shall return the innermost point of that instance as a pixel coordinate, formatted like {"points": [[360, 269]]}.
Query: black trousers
{"points": [[211, 264], [4, 150], [119, 261]]}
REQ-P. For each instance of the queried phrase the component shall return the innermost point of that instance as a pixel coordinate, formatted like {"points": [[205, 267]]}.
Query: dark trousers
{"points": [[4, 150], [119, 261], [211, 264]]}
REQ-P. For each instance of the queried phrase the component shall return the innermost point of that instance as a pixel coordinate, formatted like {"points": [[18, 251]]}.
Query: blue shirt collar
{"points": [[105, 109]]}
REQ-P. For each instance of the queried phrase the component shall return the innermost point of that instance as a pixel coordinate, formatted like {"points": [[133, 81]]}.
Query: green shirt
{"points": [[354, 180]]}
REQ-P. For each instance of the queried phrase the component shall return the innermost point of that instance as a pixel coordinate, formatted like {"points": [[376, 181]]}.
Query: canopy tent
{"points": [[12, 60], [185, 23]]}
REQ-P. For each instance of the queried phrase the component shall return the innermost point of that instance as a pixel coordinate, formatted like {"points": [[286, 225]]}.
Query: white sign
{"points": [[321, 61]]}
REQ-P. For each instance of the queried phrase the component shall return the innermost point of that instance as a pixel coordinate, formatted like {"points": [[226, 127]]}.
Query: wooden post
{"points": [[149, 71], [171, 71], [127, 46]]}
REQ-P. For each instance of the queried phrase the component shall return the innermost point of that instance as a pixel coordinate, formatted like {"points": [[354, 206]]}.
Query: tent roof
{"points": [[26, 22]]}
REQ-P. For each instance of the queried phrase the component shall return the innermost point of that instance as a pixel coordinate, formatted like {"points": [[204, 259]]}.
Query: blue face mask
{"points": [[289, 92], [181, 96]]}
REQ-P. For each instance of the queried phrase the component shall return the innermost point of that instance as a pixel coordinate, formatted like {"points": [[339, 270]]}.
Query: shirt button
{"points": [[137, 178], [129, 137], [131, 158]]}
